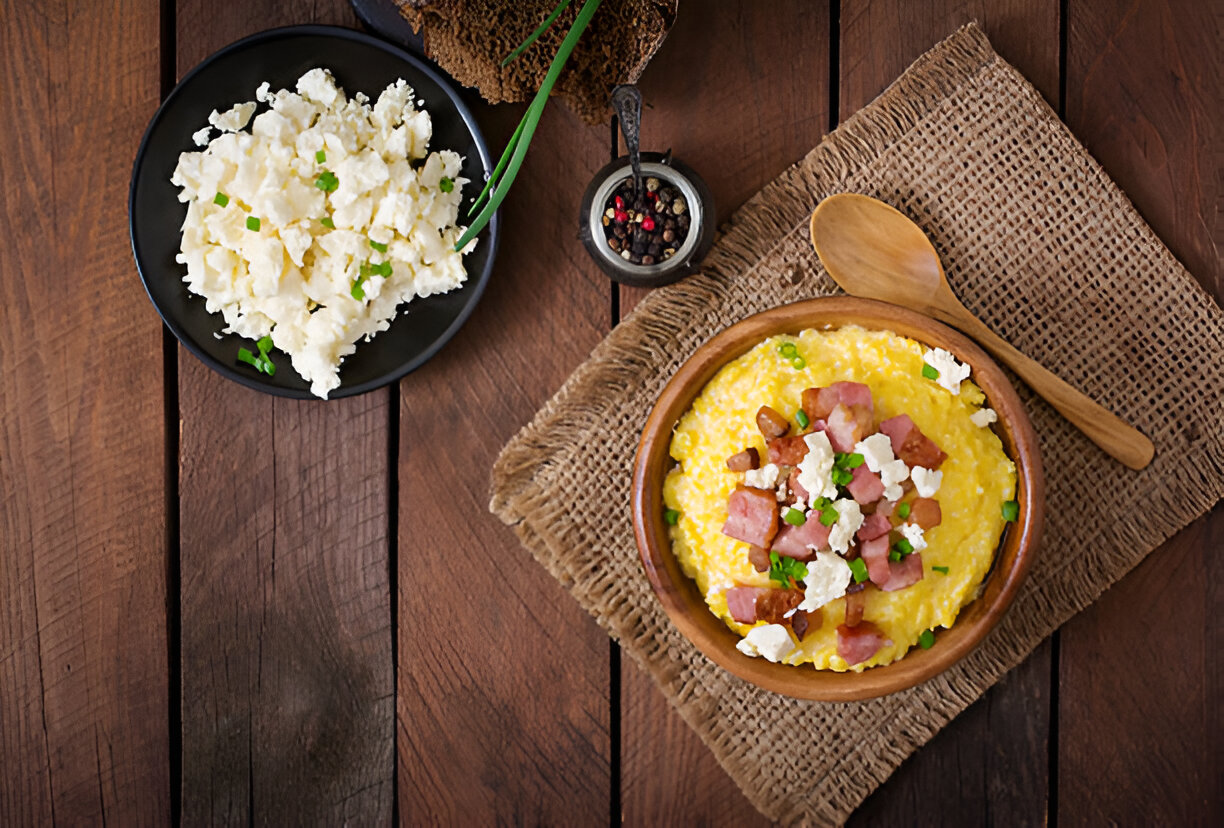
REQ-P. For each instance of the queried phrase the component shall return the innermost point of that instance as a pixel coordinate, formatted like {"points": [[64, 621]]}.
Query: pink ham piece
{"points": [[748, 605], [752, 516], [866, 487], [771, 423], [925, 512], [818, 403], [885, 508], [797, 491], [795, 541], [875, 554], [874, 526], [903, 573], [859, 643], [787, 451], [910, 444], [847, 425]]}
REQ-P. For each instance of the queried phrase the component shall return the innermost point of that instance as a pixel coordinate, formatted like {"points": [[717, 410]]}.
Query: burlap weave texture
{"points": [[1038, 242]]}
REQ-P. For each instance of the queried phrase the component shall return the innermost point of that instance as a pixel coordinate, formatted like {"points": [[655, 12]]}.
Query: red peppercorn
{"points": [[621, 216], [620, 203], [652, 195], [648, 223]]}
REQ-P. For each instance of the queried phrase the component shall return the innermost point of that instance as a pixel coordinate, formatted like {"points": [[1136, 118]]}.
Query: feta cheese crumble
{"points": [[849, 520], [200, 137], [317, 223], [816, 467], [827, 579], [983, 417], [913, 533], [771, 640], [926, 481], [766, 477], [878, 455], [951, 372]]}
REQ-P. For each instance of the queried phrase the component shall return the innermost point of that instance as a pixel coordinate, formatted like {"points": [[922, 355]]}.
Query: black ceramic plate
{"points": [[360, 63]]}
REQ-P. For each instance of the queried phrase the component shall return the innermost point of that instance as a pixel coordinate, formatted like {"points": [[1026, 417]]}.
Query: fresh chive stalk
{"points": [[534, 36]]}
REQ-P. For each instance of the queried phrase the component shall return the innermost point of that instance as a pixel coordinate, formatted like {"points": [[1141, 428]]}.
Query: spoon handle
{"points": [[1124, 443]]}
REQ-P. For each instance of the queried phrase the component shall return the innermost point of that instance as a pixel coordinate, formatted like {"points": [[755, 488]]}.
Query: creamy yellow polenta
{"points": [[978, 478]]}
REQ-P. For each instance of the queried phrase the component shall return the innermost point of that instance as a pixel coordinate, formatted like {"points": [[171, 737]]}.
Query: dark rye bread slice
{"points": [[469, 39]]}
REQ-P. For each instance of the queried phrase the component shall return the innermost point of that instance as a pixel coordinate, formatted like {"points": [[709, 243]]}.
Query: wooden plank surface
{"points": [[287, 661], [83, 681], [1140, 734], [720, 97], [503, 708], [992, 760]]}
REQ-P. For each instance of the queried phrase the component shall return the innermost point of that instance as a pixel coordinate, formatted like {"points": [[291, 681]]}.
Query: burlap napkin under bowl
{"points": [[1042, 246]]}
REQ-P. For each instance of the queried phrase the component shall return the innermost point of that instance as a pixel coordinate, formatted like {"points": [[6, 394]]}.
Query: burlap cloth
{"points": [[1039, 243]]}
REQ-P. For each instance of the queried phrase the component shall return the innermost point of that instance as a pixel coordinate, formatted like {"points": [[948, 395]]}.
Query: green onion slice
{"points": [[252, 223], [903, 546], [1011, 510], [534, 36], [799, 363], [327, 222], [379, 246], [894, 555], [903, 511], [220, 199], [321, 157], [930, 372], [927, 639], [672, 517], [859, 567], [446, 185], [327, 181], [941, 569], [828, 515], [794, 517], [801, 418]]}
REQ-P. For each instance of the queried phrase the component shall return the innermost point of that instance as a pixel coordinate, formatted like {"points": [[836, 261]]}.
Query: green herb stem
{"points": [[534, 36]]}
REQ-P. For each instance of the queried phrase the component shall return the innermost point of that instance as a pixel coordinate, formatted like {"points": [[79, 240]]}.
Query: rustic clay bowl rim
{"points": [[679, 595]]}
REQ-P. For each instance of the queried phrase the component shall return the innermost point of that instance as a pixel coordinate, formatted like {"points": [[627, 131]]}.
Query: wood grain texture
{"points": [[998, 746], [1144, 87], [503, 708], [721, 96], [287, 661], [83, 680]]}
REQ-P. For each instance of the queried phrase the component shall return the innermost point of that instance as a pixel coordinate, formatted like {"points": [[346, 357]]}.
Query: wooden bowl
{"points": [[684, 602]]}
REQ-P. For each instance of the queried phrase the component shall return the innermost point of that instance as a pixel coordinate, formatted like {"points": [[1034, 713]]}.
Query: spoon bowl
{"points": [[874, 251]]}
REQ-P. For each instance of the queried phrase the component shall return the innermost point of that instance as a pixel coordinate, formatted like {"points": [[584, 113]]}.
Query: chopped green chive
{"points": [[788, 350], [782, 569], [220, 199], [246, 356], [379, 246], [842, 477], [894, 555], [321, 156], [261, 363], [859, 567], [929, 371], [801, 418], [358, 292], [926, 640], [799, 363], [941, 569], [794, 517], [903, 546], [903, 511], [671, 517], [327, 222], [821, 503], [531, 38], [264, 344], [327, 181], [446, 184], [253, 223], [828, 515], [382, 269], [1011, 510], [853, 461]]}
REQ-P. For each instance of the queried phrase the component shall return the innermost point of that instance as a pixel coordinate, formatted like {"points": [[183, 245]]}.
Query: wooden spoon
{"points": [[872, 250]]}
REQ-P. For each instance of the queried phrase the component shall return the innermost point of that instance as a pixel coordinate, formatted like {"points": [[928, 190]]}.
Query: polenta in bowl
{"points": [[837, 492]]}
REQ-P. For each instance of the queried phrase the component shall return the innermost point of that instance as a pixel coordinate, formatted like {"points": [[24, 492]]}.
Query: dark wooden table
{"points": [[217, 606]]}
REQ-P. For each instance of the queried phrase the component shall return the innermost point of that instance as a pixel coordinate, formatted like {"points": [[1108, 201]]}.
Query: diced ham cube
{"points": [[910, 444], [925, 512], [818, 403], [797, 491], [759, 558], [787, 451], [855, 603], [866, 487], [748, 605], [797, 541], [771, 423], [847, 425], [885, 508], [903, 573], [747, 459], [859, 643], [873, 527], [875, 554], [752, 516]]}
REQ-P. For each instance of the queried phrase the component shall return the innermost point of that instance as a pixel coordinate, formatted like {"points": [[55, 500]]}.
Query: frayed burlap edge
{"points": [[524, 476]]}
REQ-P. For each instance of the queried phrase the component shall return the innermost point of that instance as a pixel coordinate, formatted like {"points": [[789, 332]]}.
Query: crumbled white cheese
{"points": [[816, 467], [983, 417], [878, 455], [828, 575], [926, 481], [234, 118], [294, 277], [200, 137], [261, 94], [913, 534], [849, 520], [771, 640], [951, 372], [766, 477]]}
